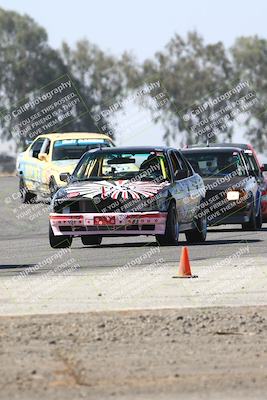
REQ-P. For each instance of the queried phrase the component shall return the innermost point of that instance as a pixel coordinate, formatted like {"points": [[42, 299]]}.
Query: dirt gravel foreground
{"points": [[211, 353]]}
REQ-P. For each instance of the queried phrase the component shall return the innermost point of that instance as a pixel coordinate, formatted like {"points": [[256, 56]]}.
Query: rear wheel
{"points": [[171, 235], [91, 240], [59, 242], [199, 233], [25, 195]]}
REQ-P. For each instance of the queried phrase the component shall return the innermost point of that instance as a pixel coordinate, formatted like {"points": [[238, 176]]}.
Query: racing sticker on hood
{"points": [[121, 188]]}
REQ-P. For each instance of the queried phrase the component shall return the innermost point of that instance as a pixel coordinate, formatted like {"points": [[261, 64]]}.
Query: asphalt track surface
{"points": [[170, 340], [231, 266]]}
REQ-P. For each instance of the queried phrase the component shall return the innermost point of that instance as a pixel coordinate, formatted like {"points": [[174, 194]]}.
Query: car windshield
{"points": [[122, 165], [73, 149], [213, 163]]}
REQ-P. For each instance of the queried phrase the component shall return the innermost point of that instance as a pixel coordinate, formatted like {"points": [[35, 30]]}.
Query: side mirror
{"points": [[264, 168], [27, 144], [42, 157], [181, 174], [64, 177]]}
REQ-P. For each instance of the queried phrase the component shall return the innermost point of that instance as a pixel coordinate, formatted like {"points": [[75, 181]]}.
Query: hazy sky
{"points": [[143, 26]]}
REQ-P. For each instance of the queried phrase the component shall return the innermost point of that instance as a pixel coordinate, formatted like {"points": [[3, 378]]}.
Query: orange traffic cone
{"points": [[184, 270]]}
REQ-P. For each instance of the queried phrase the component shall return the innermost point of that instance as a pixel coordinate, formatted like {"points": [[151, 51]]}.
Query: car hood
{"points": [[65, 165], [114, 189], [62, 163]]}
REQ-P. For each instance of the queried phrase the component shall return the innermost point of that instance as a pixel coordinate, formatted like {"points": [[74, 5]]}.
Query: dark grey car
{"points": [[233, 195]]}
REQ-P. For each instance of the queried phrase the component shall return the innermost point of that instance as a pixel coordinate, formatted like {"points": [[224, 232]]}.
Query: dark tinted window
{"points": [[184, 165], [252, 164], [36, 147], [175, 163]]}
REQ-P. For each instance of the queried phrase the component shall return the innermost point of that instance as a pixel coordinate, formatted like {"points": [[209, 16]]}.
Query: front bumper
{"points": [[237, 216], [222, 211], [264, 210], [107, 224]]}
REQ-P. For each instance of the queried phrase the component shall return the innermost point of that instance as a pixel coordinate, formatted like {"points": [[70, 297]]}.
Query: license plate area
{"points": [[104, 220]]}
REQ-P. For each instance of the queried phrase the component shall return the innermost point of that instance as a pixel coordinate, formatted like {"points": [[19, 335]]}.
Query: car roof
{"points": [[219, 149], [75, 135], [239, 145], [133, 149]]}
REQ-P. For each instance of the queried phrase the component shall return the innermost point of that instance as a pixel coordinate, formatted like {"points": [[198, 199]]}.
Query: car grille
{"points": [[77, 206], [107, 205], [114, 228]]}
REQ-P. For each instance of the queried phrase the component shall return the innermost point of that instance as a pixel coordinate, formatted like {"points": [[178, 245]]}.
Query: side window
{"points": [[254, 165], [175, 163], [36, 147], [184, 165], [246, 164]]}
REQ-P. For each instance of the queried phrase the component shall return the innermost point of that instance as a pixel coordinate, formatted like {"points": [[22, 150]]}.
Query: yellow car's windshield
{"points": [[73, 149]]}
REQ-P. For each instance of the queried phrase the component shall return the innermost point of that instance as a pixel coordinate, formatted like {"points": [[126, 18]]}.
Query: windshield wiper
{"points": [[95, 178]]}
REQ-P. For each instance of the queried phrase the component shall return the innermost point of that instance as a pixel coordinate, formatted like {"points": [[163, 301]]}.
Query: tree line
{"points": [[196, 78]]}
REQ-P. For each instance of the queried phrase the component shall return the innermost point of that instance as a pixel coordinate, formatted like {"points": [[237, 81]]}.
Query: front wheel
{"points": [[59, 242], [91, 240], [25, 195], [53, 188], [171, 235], [252, 224], [259, 219], [199, 233]]}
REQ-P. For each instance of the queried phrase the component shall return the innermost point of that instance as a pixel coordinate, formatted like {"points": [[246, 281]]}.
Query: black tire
{"points": [[199, 233], [91, 240], [53, 188], [171, 235], [25, 195], [59, 242], [259, 219], [252, 224]]}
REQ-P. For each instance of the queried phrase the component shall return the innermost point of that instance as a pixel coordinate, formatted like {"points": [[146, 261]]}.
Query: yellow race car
{"points": [[40, 165]]}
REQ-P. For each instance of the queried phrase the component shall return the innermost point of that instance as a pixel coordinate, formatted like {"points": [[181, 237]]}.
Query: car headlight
{"points": [[58, 197], [235, 195]]}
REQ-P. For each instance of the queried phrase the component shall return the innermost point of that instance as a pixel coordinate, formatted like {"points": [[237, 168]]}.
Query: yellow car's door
{"points": [[30, 165]]}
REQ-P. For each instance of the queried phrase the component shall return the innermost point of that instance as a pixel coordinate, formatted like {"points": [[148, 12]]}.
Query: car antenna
{"points": [[208, 142]]}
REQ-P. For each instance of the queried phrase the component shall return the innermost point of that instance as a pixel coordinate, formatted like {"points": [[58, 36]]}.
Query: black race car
{"points": [[129, 191], [233, 195]]}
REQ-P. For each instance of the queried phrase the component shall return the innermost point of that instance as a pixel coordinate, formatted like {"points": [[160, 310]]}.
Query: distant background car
{"points": [[48, 155], [255, 169], [264, 193], [129, 191], [7, 164], [233, 194]]}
